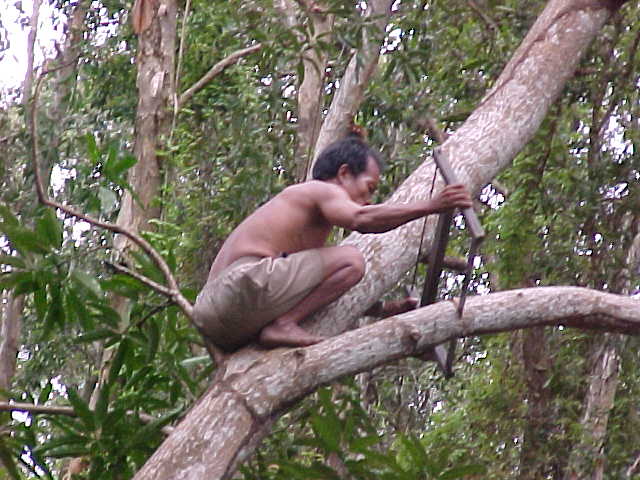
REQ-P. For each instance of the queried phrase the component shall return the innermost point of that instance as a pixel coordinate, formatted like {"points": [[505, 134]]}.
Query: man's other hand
{"points": [[452, 196]]}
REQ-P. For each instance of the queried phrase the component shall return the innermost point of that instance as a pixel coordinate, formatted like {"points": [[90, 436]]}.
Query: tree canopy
{"points": [[153, 129]]}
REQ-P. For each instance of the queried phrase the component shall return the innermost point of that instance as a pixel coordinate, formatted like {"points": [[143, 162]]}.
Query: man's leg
{"points": [[343, 268]]}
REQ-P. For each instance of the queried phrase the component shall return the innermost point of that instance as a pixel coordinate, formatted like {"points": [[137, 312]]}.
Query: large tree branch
{"points": [[485, 144], [224, 427]]}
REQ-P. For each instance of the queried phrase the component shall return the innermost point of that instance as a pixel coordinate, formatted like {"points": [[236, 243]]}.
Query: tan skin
{"points": [[301, 217]]}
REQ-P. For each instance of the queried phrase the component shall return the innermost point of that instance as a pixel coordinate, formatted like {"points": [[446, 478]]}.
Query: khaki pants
{"points": [[250, 293]]}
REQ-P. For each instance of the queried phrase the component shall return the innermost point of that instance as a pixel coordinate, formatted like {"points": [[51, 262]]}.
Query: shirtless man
{"points": [[273, 271]]}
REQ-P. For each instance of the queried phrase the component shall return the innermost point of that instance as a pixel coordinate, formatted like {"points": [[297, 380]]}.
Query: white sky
{"points": [[13, 62]]}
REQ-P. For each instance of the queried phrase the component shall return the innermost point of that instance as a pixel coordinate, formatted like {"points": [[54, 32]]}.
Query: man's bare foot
{"points": [[396, 307], [287, 335]]}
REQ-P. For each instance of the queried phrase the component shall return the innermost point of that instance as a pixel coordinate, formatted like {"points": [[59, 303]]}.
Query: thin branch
{"points": [[634, 466], [172, 291], [69, 411], [141, 278], [183, 33], [216, 70], [493, 26]]}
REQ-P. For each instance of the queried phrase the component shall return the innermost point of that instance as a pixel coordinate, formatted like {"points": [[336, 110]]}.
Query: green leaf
{"points": [[102, 404], [55, 313], [98, 334], [416, 451], [92, 148], [115, 167], [153, 334], [81, 408], [7, 460], [326, 431], [44, 394], [48, 228], [11, 260], [108, 200], [87, 281], [118, 360], [142, 436], [23, 240], [463, 471]]}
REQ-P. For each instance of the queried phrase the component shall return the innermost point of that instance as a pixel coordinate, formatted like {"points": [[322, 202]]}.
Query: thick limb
{"points": [[343, 268]]}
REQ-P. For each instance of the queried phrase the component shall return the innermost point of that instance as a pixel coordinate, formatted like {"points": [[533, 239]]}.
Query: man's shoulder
{"points": [[314, 189]]}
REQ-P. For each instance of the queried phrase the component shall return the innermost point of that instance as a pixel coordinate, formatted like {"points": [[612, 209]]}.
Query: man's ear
{"points": [[343, 171]]}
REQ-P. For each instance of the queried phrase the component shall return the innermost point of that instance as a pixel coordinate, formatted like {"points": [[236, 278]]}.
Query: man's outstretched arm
{"points": [[341, 211]]}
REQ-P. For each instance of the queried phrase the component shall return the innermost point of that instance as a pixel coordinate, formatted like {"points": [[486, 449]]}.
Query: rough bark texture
{"points": [[224, 427], [362, 66], [311, 90], [255, 388]]}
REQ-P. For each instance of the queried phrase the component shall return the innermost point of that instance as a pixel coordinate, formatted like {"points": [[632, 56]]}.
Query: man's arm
{"points": [[341, 211]]}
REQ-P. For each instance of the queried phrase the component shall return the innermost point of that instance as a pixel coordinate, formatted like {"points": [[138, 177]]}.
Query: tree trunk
{"points": [[10, 327], [155, 81], [361, 68], [255, 388], [587, 459], [311, 91], [536, 364]]}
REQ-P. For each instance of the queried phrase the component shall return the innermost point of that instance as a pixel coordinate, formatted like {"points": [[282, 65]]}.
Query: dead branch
{"points": [[216, 70]]}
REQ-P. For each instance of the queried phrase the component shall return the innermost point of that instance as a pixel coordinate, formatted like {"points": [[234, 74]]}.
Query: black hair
{"points": [[352, 151]]}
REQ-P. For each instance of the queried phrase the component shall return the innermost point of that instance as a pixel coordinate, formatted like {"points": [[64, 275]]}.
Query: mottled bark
{"points": [[155, 82], [255, 388], [362, 66]]}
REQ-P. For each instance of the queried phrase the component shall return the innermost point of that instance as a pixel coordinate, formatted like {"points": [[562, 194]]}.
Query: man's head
{"points": [[353, 165], [351, 151]]}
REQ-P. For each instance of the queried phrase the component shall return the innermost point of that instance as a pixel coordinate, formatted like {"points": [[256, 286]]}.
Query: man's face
{"points": [[362, 186]]}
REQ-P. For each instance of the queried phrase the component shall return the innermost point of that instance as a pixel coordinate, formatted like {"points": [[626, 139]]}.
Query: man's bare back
{"points": [[288, 223]]}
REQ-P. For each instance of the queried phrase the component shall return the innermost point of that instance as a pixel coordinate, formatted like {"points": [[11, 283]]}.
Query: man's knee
{"points": [[354, 262]]}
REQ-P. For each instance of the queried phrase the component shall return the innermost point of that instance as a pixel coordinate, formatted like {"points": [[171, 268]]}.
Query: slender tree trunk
{"points": [[536, 363], [311, 90], [361, 68], [10, 328], [255, 388], [588, 459], [155, 81], [67, 61], [31, 42], [156, 89]]}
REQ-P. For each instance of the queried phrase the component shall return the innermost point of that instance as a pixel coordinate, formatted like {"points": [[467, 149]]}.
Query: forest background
{"points": [[153, 129]]}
